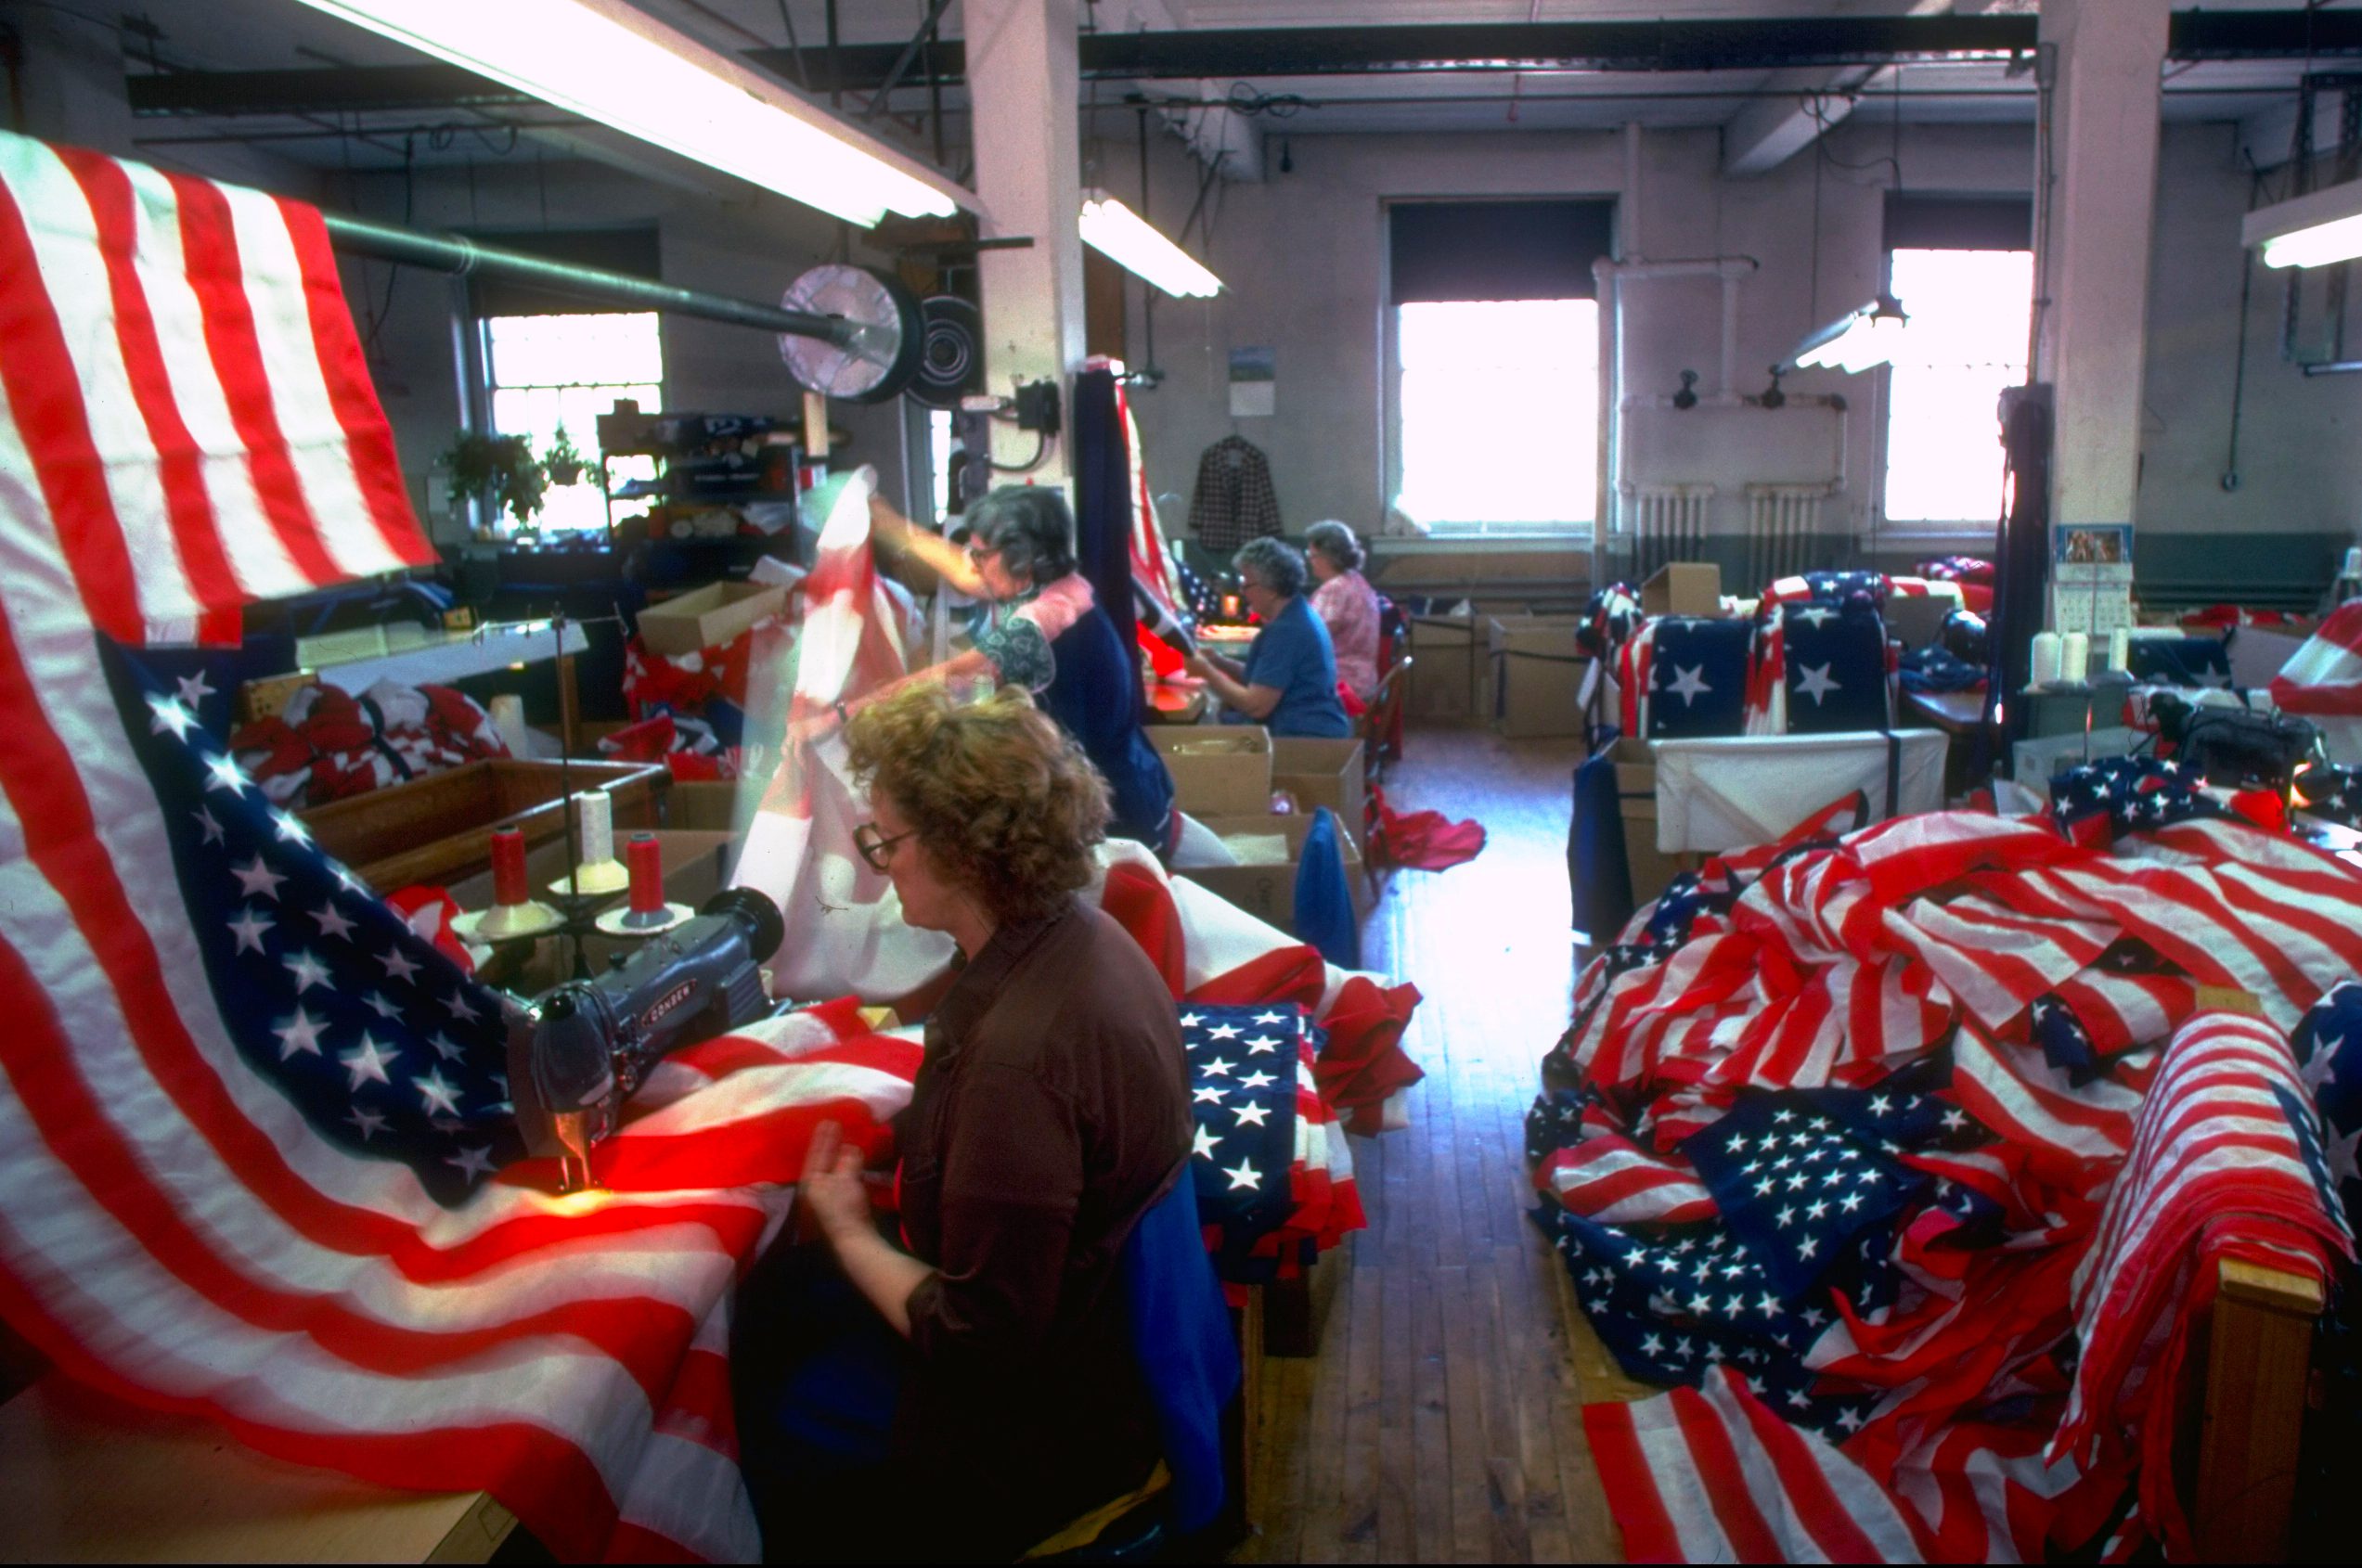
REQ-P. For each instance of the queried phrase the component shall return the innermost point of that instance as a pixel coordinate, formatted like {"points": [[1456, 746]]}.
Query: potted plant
{"points": [[565, 464], [499, 469]]}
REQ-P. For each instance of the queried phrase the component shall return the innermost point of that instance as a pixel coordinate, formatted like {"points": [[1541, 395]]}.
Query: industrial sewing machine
{"points": [[577, 1054]]}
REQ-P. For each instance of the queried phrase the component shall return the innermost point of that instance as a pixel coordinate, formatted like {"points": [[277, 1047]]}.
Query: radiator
{"points": [[1668, 524], [1781, 522]]}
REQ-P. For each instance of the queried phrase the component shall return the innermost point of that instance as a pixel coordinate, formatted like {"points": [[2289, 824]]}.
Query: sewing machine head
{"points": [[578, 1054]]}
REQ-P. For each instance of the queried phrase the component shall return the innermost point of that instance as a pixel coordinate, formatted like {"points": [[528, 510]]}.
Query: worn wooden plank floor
{"points": [[1441, 1420]]}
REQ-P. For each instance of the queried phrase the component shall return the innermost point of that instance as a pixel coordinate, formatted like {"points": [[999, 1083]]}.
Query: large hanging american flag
{"points": [[252, 1128]]}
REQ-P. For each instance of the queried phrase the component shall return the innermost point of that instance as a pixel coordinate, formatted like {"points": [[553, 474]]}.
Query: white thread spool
{"points": [[2120, 649], [2044, 668], [598, 818], [2075, 658], [2353, 561], [509, 719]]}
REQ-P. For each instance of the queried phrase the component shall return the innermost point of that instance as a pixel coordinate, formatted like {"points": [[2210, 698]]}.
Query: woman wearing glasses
{"points": [[986, 1359], [1042, 629]]}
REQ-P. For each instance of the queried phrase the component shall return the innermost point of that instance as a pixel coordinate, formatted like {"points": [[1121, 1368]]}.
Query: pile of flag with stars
{"points": [[1907, 1155], [1274, 1174]]}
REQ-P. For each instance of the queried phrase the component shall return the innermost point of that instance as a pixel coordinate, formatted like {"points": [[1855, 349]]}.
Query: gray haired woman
{"points": [[1347, 605], [1288, 682], [1042, 629]]}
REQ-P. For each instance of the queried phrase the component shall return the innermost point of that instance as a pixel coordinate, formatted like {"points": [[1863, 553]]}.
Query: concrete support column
{"points": [[1022, 77], [2096, 269]]}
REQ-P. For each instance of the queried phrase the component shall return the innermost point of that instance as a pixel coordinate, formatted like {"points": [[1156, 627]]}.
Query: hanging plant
{"points": [[500, 470], [565, 464]]}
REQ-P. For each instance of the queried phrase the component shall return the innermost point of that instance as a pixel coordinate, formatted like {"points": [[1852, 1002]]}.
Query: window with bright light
{"points": [[1967, 341], [554, 371], [1499, 408]]}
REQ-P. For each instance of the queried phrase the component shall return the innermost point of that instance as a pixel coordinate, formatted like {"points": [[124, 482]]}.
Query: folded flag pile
{"points": [[329, 745], [1911, 1151], [1274, 1174]]}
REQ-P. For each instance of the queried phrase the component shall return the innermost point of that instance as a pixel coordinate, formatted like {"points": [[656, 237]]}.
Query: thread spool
{"points": [[2120, 649], [2075, 658], [645, 913], [509, 720], [647, 863], [514, 912], [2353, 561], [598, 871], [2044, 664], [508, 885]]}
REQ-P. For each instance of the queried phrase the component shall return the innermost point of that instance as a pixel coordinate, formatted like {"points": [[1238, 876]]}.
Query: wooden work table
{"points": [[88, 1479]]}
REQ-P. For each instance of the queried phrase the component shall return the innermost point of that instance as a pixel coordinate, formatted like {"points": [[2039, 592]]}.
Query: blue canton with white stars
{"points": [[1836, 658], [1700, 681], [2131, 794], [390, 1050], [1241, 1083], [2328, 1056]]}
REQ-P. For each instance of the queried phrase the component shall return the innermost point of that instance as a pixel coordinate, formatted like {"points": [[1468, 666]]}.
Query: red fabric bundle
{"points": [[328, 745], [1423, 840]]}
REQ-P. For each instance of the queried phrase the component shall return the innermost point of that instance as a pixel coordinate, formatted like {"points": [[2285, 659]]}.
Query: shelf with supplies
{"points": [[703, 463]]}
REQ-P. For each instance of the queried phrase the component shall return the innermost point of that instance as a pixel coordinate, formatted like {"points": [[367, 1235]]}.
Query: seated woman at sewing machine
{"points": [[969, 1390], [1288, 682], [1042, 629]]}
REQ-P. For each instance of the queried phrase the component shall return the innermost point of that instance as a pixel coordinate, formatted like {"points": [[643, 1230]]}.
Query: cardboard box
{"points": [[1917, 619], [1444, 667], [710, 805], [1538, 672], [1652, 868], [1684, 587], [1323, 773], [707, 617], [1218, 770], [1267, 889]]}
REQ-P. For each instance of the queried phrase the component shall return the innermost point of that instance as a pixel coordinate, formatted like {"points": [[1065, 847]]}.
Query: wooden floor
{"points": [[1441, 1420]]}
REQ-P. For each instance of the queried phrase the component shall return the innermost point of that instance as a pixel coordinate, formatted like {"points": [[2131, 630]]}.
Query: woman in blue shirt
{"points": [[1288, 682]]}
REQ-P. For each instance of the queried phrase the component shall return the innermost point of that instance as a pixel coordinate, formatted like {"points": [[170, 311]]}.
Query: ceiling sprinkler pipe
{"points": [[460, 255]]}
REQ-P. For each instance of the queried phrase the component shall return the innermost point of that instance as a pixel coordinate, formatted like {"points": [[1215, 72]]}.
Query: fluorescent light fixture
{"points": [[607, 62], [1123, 236], [1855, 341], [2317, 230]]}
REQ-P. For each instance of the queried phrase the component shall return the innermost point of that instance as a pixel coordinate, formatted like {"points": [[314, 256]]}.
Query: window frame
{"points": [[598, 472], [1919, 534]]}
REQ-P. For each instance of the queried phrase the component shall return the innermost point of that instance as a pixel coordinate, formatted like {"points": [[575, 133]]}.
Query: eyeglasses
{"points": [[873, 844], [979, 552]]}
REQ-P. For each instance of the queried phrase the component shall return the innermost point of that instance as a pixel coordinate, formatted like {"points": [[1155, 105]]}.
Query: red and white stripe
{"points": [[1611, 1179], [184, 397], [2325, 675], [1709, 1474]]}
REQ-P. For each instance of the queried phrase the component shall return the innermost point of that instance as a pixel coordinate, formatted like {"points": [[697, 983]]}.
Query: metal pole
{"points": [[458, 254]]}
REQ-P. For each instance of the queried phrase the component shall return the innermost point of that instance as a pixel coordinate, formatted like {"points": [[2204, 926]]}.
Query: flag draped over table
{"points": [[237, 1094], [1914, 1149]]}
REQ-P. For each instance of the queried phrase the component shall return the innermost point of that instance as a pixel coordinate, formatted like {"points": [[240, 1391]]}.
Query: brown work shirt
{"points": [[1051, 1111]]}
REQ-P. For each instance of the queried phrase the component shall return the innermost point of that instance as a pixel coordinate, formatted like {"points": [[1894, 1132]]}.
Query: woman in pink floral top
{"points": [[1347, 605]]}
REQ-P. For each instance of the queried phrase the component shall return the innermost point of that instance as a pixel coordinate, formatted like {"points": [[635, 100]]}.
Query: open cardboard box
{"points": [[1538, 673], [1218, 770], [1267, 889], [1444, 667], [1323, 773], [707, 617], [1652, 869], [1684, 587]]}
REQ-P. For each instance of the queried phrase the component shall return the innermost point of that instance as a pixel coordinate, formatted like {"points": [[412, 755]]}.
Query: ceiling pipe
{"points": [[460, 256]]}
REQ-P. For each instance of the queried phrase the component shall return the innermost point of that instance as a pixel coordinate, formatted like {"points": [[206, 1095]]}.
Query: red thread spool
{"points": [[508, 884], [646, 861]]}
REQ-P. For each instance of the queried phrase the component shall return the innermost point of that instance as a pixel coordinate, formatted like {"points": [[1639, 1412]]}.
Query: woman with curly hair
{"points": [[1346, 603], [969, 1390]]}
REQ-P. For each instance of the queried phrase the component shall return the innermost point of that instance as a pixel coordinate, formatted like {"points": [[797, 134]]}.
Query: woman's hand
{"points": [[832, 1191], [1199, 666]]}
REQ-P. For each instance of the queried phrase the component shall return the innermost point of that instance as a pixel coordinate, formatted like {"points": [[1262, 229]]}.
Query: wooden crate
{"points": [[438, 830]]}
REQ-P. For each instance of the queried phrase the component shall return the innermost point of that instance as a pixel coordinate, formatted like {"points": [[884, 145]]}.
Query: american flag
{"points": [[1273, 1172], [1682, 676], [2325, 675], [1989, 1039], [1820, 669]]}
